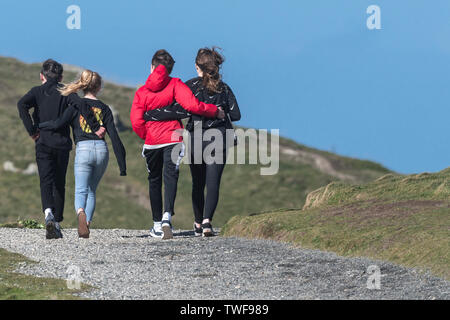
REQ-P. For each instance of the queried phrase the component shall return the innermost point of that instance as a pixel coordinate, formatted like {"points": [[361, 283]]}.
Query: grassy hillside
{"points": [[405, 220], [16, 286], [123, 202]]}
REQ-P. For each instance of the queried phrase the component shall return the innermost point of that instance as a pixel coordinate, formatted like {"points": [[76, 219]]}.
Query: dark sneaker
{"points": [[50, 229], [207, 230], [83, 230], [58, 232], [156, 233], [197, 231], [166, 226]]}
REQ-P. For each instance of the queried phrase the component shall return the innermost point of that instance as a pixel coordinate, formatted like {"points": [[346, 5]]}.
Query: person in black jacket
{"points": [[208, 88], [52, 147], [92, 154]]}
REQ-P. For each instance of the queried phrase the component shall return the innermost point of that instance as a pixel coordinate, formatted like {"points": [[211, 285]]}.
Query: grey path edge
{"points": [[128, 264]]}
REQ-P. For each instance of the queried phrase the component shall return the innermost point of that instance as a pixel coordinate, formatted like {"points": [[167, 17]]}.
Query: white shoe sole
{"points": [[153, 235], [207, 233]]}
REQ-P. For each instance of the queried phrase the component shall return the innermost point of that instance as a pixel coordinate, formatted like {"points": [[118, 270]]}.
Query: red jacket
{"points": [[160, 90]]}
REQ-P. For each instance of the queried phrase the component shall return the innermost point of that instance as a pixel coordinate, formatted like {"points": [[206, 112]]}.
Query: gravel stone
{"points": [[129, 264]]}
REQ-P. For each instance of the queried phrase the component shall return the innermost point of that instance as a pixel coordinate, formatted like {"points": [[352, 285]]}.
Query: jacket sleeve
{"points": [[173, 112], [69, 114], [137, 116], [85, 111], [185, 97], [119, 149], [232, 105], [27, 102]]}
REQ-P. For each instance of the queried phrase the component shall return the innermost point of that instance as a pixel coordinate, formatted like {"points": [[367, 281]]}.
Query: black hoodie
{"points": [[49, 104], [82, 130]]}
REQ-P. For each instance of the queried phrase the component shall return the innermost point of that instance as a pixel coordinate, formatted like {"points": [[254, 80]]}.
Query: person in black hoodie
{"points": [[52, 147], [208, 88], [92, 153]]}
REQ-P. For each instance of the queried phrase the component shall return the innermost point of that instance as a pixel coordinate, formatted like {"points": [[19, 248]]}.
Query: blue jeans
{"points": [[91, 160]]}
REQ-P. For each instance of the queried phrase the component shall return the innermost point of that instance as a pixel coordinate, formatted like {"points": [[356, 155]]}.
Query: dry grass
{"points": [[398, 219]]}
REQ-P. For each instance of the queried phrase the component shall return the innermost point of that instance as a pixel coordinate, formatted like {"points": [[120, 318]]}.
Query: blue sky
{"points": [[310, 68]]}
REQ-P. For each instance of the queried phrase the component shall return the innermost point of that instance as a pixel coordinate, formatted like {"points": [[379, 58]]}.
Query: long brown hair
{"points": [[89, 82], [209, 62]]}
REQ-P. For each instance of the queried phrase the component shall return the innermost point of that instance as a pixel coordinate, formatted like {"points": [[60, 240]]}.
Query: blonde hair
{"points": [[89, 82]]}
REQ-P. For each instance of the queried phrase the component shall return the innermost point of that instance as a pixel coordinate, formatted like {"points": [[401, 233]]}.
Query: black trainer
{"points": [[207, 230], [197, 231], [58, 232], [50, 227]]}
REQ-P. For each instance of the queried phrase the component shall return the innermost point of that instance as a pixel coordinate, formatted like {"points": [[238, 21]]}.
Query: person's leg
{"points": [[171, 174], [90, 204], [45, 163], [154, 159], [213, 177], [59, 187], [82, 172], [198, 173], [101, 163]]}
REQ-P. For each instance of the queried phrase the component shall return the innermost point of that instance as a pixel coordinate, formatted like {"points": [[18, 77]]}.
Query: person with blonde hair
{"points": [[92, 153], [52, 147]]}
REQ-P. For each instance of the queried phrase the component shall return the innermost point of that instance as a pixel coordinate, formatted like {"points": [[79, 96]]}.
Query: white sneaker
{"points": [[156, 231]]}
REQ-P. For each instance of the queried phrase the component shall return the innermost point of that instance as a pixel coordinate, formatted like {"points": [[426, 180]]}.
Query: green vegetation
{"points": [[425, 186], [405, 220], [25, 223], [16, 286], [123, 201]]}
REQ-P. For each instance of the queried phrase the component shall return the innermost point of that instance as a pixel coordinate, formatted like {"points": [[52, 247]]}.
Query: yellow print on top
{"points": [[98, 115]]}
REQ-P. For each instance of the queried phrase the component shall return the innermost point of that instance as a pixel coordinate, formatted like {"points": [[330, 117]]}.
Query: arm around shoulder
{"points": [[185, 97], [137, 115]]}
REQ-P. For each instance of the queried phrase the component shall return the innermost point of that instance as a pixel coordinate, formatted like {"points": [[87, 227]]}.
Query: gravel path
{"points": [[128, 264]]}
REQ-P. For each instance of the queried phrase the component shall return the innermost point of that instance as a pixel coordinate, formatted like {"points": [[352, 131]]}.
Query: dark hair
{"points": [[209, 62], [52, 70], [164, 58]]}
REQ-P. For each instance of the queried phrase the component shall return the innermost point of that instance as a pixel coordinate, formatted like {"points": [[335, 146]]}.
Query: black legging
{"points": [[52, 166], [208, 175]]}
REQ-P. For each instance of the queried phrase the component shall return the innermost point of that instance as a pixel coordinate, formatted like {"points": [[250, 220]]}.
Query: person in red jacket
{"points": [[162, 137]]}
